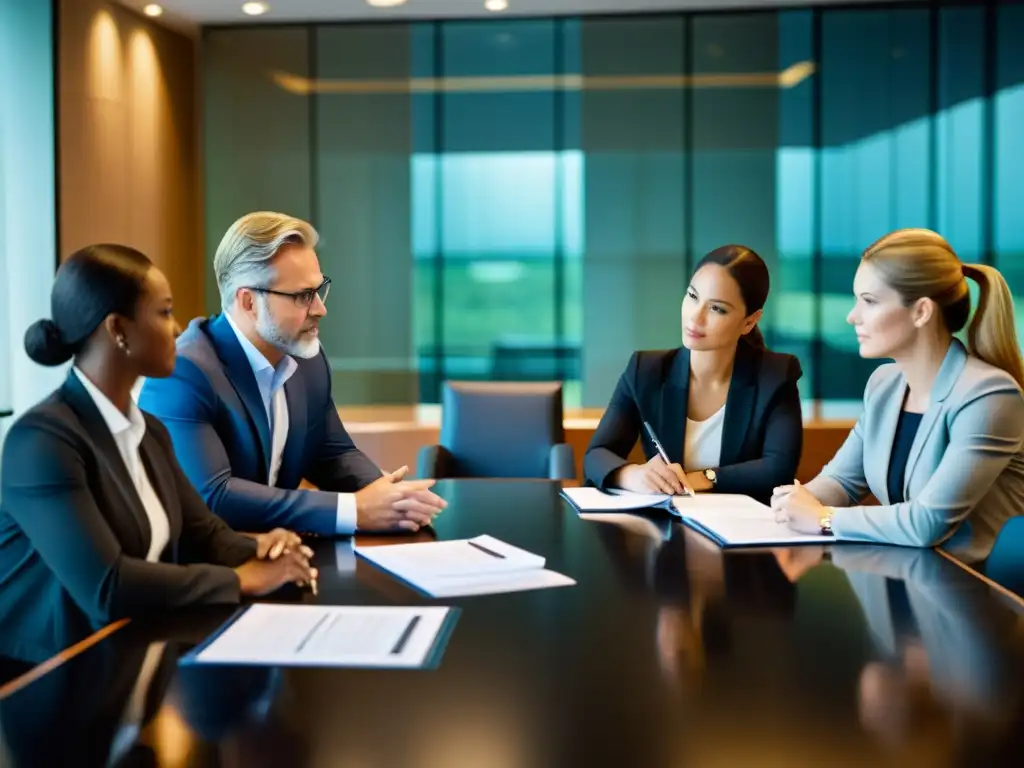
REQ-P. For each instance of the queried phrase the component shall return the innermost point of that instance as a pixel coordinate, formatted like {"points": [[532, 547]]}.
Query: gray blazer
{"points": [[966, 462]]}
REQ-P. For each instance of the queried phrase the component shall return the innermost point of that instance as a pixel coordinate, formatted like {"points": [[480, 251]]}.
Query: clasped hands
{"points": [[281, 558], [393, 503], [388, 504]]}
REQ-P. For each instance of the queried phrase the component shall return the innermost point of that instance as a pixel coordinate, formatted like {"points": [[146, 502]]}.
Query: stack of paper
{"points": [[739, 521], [477, 566]]}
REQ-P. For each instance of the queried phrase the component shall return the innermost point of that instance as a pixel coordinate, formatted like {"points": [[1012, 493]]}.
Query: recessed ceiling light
{"points": [[255, 9], [385, 3], [153, 10], [496, 5]]}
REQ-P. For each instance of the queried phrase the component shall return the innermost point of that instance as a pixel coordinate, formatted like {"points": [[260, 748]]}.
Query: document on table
{"points": [[482, 565], [330, 636], [731, 520], [596, 500]]}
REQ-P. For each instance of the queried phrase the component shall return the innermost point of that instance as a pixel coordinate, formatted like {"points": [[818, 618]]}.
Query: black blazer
{"points": [[762, 434], [73, 529]]}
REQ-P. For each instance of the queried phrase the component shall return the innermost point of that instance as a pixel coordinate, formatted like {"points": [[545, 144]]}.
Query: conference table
{"points": [[666, 652]]}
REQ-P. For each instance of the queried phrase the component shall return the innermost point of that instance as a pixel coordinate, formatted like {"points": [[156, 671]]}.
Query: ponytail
{"points": [[992, 334]]}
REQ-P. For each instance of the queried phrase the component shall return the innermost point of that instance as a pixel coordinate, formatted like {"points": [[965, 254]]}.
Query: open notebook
{"points": [[730, 520], [482, 565]]}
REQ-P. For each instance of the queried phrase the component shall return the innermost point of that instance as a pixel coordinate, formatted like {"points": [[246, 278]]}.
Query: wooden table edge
{"points": [[15, 685], [982, 577]]}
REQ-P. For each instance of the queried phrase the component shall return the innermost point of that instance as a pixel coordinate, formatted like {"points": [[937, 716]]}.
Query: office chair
{"points": [[500, 429]]}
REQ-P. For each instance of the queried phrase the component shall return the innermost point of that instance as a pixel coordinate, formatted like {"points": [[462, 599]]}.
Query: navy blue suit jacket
{"points": [[212, 407]]}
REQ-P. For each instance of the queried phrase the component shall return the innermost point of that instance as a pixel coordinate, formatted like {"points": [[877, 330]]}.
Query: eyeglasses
{"points": [[304, 298]]}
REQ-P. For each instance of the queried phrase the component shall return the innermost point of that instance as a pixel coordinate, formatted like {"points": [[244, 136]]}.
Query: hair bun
{"points": [[45, 345]]}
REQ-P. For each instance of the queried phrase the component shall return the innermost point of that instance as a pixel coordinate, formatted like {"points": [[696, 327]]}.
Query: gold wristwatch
{"points": [[826, 522]]}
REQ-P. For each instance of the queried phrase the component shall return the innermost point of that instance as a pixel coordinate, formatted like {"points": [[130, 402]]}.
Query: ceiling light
{"points": [[153, 10], [385, 3], [496, 5], [255, 9]]}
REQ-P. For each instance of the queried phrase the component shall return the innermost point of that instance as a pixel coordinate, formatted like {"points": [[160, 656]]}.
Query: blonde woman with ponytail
{"points": [[940, 443]]}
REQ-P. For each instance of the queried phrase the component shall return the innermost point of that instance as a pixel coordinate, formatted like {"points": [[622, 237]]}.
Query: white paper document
{"points": [[331, 636], [482, 565], [596, 500], [739, 521]]}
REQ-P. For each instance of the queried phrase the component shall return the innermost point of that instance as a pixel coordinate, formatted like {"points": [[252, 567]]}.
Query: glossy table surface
{"points": [[666, 653]]}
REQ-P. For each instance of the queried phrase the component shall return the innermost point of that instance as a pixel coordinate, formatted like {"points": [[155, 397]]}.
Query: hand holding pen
{"points": [[659, 475]]}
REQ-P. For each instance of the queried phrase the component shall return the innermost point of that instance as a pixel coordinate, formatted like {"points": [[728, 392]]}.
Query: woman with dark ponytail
{"points": [[95, 512], [725, 409]]}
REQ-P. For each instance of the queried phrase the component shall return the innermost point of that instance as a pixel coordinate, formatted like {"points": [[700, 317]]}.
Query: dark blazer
{"points": [[762, 433], [73, 530], [212, 408]]}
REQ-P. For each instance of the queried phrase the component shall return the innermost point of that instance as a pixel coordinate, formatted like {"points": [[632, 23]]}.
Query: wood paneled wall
{"points": [[128, 147], [392, 443]]}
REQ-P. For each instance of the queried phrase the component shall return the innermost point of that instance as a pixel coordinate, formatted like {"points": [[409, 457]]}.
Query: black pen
{"points": [[482, 548], [661, 452]]}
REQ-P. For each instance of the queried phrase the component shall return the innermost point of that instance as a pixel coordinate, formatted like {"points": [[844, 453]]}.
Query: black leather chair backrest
{"points": [[501, 429]]}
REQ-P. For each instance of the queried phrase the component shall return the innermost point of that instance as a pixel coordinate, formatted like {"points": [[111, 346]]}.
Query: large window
{"points": [[27, 215], [524, 199]]}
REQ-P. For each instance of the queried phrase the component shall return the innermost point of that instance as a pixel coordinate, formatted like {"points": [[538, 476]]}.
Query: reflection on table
{"points": [[667, 652]]}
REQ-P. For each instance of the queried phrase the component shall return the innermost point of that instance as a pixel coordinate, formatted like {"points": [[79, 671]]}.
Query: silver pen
{"points": [[661, 452]]}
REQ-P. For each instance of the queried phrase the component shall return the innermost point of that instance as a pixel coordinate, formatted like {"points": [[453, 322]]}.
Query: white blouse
{"points": [[128, 433], [703, 449]]}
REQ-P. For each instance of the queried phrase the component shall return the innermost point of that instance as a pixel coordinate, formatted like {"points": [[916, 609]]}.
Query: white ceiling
{"points": [[202, 12]]}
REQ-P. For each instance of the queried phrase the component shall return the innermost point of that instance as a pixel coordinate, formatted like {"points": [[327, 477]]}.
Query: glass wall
{"points": [[27, 212], [523, 199]]}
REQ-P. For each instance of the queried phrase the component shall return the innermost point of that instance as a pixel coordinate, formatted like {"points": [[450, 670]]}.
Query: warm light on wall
{"points": [[145, 83], [104, 58], [385, 3], [496, 5], [255, 9], [153, 10]]}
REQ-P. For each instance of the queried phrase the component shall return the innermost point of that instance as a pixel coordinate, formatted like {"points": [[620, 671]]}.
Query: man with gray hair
{"points": [[249, 405]]}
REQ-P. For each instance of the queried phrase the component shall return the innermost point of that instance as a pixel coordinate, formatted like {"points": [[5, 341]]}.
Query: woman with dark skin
{"points": [[95, 511]]}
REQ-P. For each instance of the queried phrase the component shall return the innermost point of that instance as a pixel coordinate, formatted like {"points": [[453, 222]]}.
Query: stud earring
{"points": [[123, 345]]}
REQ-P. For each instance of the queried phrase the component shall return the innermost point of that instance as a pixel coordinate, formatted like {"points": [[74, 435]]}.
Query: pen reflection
{"points": [[698, 591]]}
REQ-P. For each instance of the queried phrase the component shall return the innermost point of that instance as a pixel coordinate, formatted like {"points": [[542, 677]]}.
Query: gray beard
{"points": [[269, 331]]}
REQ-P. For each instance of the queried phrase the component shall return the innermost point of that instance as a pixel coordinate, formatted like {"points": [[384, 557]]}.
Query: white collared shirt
{"points": [[271, 381], [128, 433]]}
